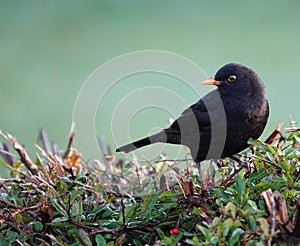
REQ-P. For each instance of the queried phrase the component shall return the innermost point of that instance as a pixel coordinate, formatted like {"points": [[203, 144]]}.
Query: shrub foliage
{"points": [[60, 199]]}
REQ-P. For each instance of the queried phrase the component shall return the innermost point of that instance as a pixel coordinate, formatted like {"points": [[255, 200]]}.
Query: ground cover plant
{"points": [[58, 198]]}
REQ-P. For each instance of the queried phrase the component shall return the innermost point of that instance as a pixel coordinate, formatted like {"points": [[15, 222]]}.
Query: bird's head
{"points": [[237, 79]]}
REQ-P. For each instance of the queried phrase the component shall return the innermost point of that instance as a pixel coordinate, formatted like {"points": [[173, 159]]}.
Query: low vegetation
{"points": [[60, 199]]}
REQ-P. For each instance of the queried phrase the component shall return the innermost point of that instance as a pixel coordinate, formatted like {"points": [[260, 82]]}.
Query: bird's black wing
{"points": [[196, 117], [191, 120]]}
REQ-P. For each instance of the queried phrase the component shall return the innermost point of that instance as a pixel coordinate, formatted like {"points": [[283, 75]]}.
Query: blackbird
{"points": [[219, 124]]}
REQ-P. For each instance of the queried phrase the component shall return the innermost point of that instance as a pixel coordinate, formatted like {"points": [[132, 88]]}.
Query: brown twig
{"points": [[123, 210], [275, 134], [25, 159], [6, 154], [55, 149], [43, 138], [107, 158], [137, 170], [70, 141], [94, 230], [226, 181], [296, 231], [293, 129], [174, 160], [270, 204], [270, 162]]}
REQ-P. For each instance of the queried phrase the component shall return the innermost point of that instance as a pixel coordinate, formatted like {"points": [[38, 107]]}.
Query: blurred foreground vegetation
{"points": [[60, 199]]}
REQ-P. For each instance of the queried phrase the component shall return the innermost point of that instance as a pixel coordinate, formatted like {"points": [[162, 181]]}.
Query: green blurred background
{"points": [[49, 48]]}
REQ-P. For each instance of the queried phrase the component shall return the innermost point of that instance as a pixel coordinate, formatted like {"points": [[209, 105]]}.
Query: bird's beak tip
{"points": [[211, 81]]}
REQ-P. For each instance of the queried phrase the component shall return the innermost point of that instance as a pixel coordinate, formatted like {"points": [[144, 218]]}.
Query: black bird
{"points": [[219, 124]]}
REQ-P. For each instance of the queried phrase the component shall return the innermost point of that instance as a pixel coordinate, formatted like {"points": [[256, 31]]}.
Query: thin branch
{"points": [[70, 141], [31, 166], [277, 133], [273, 220], [123, 210], [270, 162], [43, 138], [174, 160], [230, 178], [6, 154], [296, 232], [292, 129]]}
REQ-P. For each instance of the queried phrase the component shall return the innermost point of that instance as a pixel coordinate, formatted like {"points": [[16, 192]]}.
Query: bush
{"points": [[59, 199]]}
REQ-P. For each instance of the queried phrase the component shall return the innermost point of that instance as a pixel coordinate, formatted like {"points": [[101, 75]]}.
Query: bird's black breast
{"points": [[230, 130], [244, 119]]}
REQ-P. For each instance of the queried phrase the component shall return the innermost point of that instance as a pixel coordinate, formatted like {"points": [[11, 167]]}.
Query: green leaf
{"points": [[252, 205], [194, 241], [279, 183], [160, 233], [85, 239], [149, 203], [3, 241], [130, 212], [216, 221], [77, 211], [59, 220], [262, 186], [265, 147], [264, 225], [231, 209], [108, 213], [171, 222], [228, 223], [137, 242], [241, 183], [222, 193], [100, 240], [204, 231], [173, 240], [257, 176], [37, 226], [197, 211], [96, 211], [290, 153], [284, 165], [214, 240], [271, 149], [11, 237], [251, 223], [252, 141], [235, 236], [6, 165], [58, 207], [167, 241]]}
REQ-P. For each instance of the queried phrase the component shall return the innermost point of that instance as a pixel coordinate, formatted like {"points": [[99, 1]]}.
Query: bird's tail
{"points": [[156, 138]]}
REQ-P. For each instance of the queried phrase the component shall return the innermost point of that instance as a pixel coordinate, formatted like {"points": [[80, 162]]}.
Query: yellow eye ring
{"points": [[231, 78]]}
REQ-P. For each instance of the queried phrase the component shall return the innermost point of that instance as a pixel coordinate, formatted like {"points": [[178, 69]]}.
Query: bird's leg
{"points": [[200, 172], [203, 185]]}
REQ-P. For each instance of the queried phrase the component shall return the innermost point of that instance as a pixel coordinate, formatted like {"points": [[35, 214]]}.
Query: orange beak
{"points": [[211, 81]]}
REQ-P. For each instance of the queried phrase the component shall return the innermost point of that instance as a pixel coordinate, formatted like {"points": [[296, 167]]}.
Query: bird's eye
{"points": [[231, 78]]}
